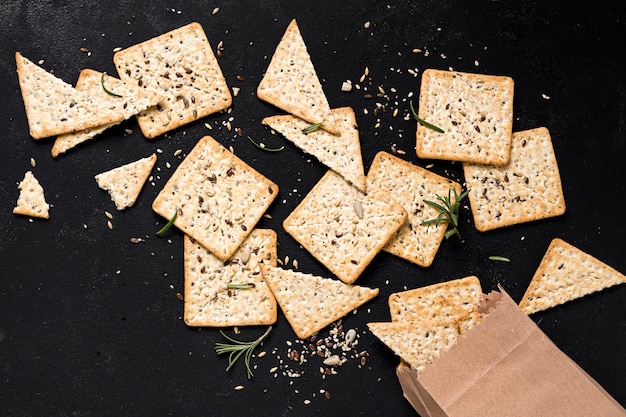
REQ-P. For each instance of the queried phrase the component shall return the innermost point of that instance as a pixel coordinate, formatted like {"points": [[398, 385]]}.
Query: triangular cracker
{"points": [[445, 301], [475, 112], [135, 98], [310, 302], [564, 274], [208, 299], [291, 83], [341, 153], [124, 183], [31, 201], [181, 65], [410, 185], [526, 189], [342, 227], [54, 107], [219, 198]]}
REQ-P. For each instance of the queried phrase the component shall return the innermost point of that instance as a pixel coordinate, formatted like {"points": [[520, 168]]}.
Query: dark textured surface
{"points": [[90, 323]]}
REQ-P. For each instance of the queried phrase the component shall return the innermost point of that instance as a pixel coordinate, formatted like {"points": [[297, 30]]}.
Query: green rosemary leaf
{"points": [[499, 258], [168, 224], [106, 89], [424, 122], [240, 286], [263, 147], [237, 348], [311, 128]]}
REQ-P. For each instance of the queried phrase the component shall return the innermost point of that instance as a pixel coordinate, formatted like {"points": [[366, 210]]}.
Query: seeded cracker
{"points": [[135, 99], [342, 227], [526, 189], [564, 274], [181, 66], [475, 112], [410, 185], [218, 197], [208, 300], [124, 183], [31, 201], [340, 153], [54, 107], [291, 83], [310, 302]]}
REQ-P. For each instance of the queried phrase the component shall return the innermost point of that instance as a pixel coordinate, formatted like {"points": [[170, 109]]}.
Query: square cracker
{"points": [[410, 185], [565, 274], [342, 227], [291, 83], [218, 197], [181, 65], [448, 300], [209, 302], [528, 188], [311, 302], [475, 112], [54, 107], [31, 201], [134, 97], [340, 153], [125, 182]]}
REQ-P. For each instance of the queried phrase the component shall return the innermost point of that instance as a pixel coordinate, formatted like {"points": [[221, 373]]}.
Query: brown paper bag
{"points": [[505, 366]]}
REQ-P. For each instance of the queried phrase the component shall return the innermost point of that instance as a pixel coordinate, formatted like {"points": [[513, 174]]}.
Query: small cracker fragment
{"points": [[311, 302], [419, 343], [342, 227], [475, 111], [54, 107], [31, 201], [208, 301], [566, 273], [135, 99], [125, 182], [291, 83], [445, 301], [341, 153], [410, 185], [181, 66], [219, 198], [526, 189]]}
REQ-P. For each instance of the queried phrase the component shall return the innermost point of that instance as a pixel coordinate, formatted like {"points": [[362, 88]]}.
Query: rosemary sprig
{"points": [[422, 121], [240, 286], [311, 128], [499, 258], [237, 348], [106, 89], [262, 146], [168, 224], [448, 211]]}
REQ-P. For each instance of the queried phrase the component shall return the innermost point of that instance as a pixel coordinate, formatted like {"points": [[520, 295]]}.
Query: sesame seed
{"points": [[238, 388], [216, 10]]}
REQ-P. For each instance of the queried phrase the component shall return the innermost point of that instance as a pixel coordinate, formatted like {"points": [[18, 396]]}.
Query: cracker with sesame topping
{"points": [[410, 185], [222, 293], [181, 66], [310, 302], [125, 182], [109, 90], [527, 188], [31, 201], [54, 107], [291, 83], [340, 153], [219, 198], [475, 112], [566, 273], [342, 227]]}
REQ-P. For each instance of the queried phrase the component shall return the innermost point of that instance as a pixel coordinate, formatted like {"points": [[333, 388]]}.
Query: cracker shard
{"points": [[209, 302], [219, 198], [310, 302], [124, 183], [410, 185], [342, 227], [54, 107], [566, 273], [181, 66], [291, 83], [31, 201], [340, 153]]}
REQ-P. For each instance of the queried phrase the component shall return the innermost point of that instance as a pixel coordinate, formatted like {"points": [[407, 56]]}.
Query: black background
{"points": [[90, 323]]}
